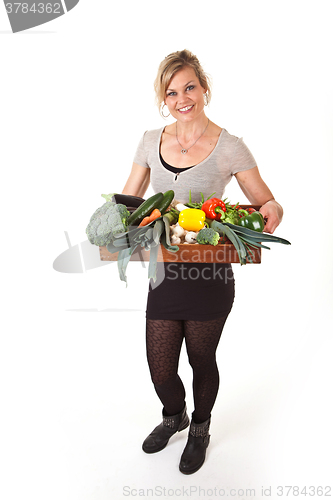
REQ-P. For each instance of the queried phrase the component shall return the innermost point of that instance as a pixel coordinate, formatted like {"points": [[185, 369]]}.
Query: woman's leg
{"points": [[163, 343], [202, 338]]}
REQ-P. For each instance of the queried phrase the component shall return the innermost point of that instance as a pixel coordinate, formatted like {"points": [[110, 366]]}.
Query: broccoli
{"points": [[207, 236], [232, 218], [108, 220]]}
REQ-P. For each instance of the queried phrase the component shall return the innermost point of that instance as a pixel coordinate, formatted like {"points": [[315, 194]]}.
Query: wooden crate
{"points": [[187, 253], [221, 253]]}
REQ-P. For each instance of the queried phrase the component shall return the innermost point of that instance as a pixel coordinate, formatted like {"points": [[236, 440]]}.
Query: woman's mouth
{"points": [[186, 109]]}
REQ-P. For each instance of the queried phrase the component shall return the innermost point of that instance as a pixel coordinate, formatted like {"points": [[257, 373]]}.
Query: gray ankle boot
{"points": [[194, 453], [159, 437]]}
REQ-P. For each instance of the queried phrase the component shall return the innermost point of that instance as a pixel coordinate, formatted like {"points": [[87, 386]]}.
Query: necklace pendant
{"points": [[184, 151]]}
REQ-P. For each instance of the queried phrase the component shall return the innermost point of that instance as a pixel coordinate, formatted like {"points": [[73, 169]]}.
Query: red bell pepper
{"points": [[214, 208]]}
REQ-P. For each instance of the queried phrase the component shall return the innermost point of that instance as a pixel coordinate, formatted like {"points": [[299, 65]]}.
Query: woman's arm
{"points": [[138, 181], [258, 193]]}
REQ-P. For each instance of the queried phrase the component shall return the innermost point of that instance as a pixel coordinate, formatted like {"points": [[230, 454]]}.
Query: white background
{"points": [[77, 400]]}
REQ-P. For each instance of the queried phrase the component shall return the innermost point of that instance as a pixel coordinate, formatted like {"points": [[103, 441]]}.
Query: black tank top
{"points": [[175, 170]]}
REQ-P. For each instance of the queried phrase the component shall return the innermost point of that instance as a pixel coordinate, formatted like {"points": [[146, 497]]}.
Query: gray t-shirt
{"points": [[229, 156]]}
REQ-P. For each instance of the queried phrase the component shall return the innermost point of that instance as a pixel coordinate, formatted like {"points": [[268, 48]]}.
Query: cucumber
{"points": [[145, 209], [167, 199]]}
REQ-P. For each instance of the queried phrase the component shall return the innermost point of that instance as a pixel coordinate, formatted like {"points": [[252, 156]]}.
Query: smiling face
{"points": [[185, 96]]}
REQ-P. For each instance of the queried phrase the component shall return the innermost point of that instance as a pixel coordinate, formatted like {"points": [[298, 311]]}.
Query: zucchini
{"points": [[167, 199], [128, 200], [145, 209], [124, 199]]}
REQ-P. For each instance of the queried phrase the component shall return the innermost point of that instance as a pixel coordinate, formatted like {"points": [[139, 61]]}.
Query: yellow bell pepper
{"points": [[192, 219]]}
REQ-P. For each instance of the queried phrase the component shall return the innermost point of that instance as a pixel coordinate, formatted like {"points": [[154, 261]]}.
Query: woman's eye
{"points": [[172, 94]]}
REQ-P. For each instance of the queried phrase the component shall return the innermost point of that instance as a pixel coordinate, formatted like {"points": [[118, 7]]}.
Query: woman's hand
{"points": [[273, 213]]}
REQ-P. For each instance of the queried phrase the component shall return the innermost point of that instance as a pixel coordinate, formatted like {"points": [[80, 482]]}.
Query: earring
{"points": [[205, 99], [162, 112]]}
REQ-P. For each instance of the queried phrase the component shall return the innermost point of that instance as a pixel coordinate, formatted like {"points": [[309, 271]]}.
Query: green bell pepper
{"points": [[254, 221]]}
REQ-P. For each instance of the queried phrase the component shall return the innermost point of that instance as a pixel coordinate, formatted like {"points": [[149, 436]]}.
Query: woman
{"points": [[191, 153]]}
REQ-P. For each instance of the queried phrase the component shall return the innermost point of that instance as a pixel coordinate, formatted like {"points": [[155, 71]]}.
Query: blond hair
{"points": [[169, 67]]}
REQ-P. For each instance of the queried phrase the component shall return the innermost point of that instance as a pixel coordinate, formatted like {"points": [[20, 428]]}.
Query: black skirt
{"points": [[191, 291]]}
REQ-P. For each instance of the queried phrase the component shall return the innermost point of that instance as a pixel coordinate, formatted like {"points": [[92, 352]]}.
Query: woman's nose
{"points": [[182, 98]]}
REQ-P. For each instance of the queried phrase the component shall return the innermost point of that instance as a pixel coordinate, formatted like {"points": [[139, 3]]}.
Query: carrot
{"points": [[144, 221], [154, 215]]}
